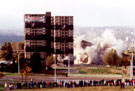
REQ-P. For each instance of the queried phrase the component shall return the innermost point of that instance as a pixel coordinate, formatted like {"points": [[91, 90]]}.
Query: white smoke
{"points": [[102, 44], [108, 38]]}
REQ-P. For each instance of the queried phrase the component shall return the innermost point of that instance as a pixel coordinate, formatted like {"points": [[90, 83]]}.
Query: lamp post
{"points": [[68, 66], [18, 63], [132, 56], [54, 67], [131, 49], [131, 65]]}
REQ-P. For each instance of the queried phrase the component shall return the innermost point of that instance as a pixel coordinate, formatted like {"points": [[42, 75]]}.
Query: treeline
{"points": [[13, 52], [113, 59], [10, 50], [9, 53]]}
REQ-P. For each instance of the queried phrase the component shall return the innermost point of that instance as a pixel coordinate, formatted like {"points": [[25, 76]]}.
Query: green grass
{"points": [[1, 87], [14, 74], [39, 75], [82, 72], [5, 80], [99, 71], [117, 68], [94, 71]]}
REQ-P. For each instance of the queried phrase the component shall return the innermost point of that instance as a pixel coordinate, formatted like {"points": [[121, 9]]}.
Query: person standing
{"points": [[123, 83], [5, 85], [10, 86]]}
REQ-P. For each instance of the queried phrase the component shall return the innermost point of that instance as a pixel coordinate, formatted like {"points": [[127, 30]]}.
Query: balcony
{"points": [[34, 25], [35, 37], [36, 48]]}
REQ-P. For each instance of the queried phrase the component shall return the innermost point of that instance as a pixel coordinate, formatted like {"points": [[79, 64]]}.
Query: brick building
{"points": [[48, 34]]}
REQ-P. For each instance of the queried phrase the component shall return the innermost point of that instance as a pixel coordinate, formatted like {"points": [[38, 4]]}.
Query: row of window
{"points": [[59, 45], [64, 23], [36, 33], [62, 33], [36, 42], [63, 17], [29, 54]]}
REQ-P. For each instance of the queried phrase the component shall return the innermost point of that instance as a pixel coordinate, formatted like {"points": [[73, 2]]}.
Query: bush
{"points": [[83, 72]]}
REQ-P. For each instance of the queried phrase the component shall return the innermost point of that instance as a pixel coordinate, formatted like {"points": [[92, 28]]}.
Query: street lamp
{"points": [[131, 65], [54, 67], [132, 56], [18, 63], [131, 48], [68, 65]]}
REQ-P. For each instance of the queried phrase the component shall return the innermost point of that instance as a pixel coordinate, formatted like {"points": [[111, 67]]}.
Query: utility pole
{"points": [[18, 63], [54, 67], [68, 65], [54, 55], [131, 49], [132, 56], [131, 65]]}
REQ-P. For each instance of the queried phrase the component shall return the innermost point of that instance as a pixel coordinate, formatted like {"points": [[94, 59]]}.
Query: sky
{"points": [[85, 12]]}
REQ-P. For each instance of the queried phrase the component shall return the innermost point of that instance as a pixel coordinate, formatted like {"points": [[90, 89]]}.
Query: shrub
{"points": [[83, 72]]}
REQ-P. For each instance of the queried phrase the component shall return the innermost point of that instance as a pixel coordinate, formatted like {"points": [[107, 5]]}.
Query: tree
{"points": [[35, 63], [25, 69], [20, 45], [21, 59], [6, 51], [126, 61], [13, 44], [10, 51], [112, 58], [49, 60], [14, 66], [4, 46]]}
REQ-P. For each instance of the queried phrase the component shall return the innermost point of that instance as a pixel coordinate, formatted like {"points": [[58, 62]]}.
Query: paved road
{"points": [[43, 78]]}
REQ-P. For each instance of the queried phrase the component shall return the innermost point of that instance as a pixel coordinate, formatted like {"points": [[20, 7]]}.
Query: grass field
{"points": [[101, 70], [82, 70], [1, 87], [99, 88]]}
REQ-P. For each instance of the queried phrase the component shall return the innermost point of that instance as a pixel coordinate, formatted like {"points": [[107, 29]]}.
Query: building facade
{"points": [[47, 35]]}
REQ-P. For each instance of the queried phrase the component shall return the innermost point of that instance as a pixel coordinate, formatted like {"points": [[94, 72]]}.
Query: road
{"points": [[10, 78]]}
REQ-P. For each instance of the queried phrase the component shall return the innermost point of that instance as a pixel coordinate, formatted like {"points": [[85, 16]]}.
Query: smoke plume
{"points": [[101, 44]]}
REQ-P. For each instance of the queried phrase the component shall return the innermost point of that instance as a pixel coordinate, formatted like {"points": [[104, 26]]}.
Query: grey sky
{"points": [[85, 12]]}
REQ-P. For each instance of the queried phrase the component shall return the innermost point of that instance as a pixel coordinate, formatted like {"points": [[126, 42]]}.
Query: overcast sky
{"points": [[85, 12]]}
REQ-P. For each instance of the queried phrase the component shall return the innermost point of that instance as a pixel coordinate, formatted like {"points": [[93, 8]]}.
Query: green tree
{"points": [[35, 63]]}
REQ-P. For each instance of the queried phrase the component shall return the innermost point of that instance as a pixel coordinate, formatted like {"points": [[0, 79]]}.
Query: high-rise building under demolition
{"points": [[48, 34]]}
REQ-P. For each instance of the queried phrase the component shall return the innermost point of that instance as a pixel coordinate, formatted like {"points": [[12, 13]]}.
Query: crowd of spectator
{"points": [[69, 83]]}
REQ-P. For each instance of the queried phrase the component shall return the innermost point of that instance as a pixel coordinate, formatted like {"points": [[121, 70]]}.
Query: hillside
{"points": [[10, 37]]}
